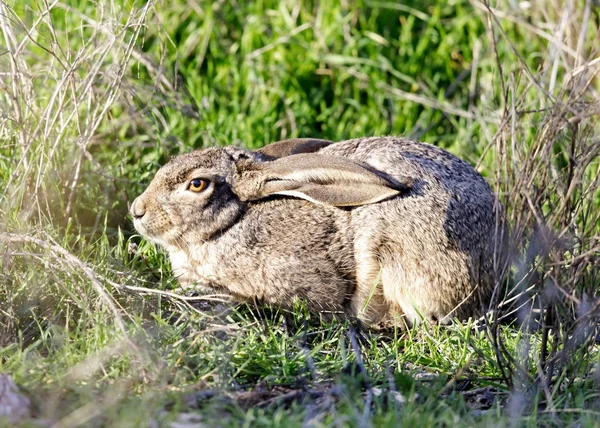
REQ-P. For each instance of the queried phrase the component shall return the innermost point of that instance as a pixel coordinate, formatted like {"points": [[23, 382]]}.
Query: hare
{"points": [[381, 228]]}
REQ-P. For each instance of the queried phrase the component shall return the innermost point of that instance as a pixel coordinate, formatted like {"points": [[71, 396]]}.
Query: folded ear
{"points": [[323, 179], [293, 146]]}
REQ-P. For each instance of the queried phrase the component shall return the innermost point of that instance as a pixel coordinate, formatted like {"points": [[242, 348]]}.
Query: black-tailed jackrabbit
{"points": [[374, 227]]}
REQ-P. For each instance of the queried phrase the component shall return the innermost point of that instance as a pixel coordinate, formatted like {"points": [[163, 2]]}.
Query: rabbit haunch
{"points": [[375, 227]]}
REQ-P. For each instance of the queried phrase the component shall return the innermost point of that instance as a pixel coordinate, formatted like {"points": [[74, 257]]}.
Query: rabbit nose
{"points": [[138, 209]]}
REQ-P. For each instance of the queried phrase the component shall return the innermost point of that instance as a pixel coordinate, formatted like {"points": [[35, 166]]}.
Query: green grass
{"points": [[94, 97]]}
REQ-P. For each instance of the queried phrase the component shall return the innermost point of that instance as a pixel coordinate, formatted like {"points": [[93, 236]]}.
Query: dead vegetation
{"points": [[541, 151]]}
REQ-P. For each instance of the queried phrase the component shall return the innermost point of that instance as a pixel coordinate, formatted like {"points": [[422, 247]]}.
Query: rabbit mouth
{"points": [[143, 230], [139, 226], [151, 235]]}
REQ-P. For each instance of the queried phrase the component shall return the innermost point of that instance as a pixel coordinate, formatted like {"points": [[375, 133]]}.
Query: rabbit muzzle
{"points": [[150, 220]]}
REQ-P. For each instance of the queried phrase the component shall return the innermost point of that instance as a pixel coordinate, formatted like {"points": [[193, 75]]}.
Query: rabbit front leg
{"points": [[181, 267], [186, 275]]}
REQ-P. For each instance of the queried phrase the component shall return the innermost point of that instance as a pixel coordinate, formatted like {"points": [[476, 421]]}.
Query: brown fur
{"points": [[416, 236]]}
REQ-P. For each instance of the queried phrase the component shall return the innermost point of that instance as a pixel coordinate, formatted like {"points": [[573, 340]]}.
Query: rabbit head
{"points": [[189, 197]]}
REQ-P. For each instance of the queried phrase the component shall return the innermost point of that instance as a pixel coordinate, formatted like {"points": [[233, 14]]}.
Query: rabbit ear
{"points": [[329, 180], [293, 147]]}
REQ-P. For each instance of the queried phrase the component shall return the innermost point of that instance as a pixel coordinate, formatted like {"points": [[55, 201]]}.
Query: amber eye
{"points": [[197, 185]]}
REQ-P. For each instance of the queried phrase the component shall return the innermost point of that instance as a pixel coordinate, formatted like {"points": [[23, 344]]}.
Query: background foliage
{"points": [[95, 96]]}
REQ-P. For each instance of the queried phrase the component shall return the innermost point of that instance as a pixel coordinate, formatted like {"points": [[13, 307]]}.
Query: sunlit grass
{"points": [[94, 97]]}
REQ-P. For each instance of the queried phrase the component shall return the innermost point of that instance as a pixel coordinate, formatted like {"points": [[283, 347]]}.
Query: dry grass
{"points": [[88, 111], [549, 183]]}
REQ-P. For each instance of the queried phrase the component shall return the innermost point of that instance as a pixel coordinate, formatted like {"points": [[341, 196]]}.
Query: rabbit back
{"points": [[428, 252]]}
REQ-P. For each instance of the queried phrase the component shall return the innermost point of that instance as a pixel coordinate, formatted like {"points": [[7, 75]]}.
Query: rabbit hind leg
{"points": [[409, 295], [368, 303]]}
